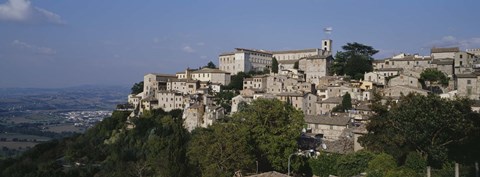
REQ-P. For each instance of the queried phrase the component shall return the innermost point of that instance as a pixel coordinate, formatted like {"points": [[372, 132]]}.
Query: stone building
{"points": [[184, 86], [153, 82], [397, 91], [170, 100], [256, 82], [404, 80], [467, 86], [245, 60], [437, 53], [324, 107], [330, 127], [295, 99], [211, 75], [315, 67]]}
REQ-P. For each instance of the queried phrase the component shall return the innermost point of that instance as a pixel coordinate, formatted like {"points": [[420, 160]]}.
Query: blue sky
{"points": [[51, 43]]}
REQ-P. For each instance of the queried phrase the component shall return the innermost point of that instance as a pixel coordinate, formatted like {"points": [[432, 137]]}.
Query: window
{"points": [[469, 82], [461, 56], [461, 63]]}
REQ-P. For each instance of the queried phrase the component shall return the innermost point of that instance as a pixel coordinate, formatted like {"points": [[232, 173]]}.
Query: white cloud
{"points": [[188, 49], [23, 11], [33, 48], [452, 41]]}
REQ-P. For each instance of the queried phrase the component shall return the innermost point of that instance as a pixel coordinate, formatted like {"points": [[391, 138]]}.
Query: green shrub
{"points": [[354, 163], [380, 165], [416, 162], [324, 165]]}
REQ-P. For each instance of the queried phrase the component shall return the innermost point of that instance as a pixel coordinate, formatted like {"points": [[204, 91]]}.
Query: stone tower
{"points": [[327, 45]]}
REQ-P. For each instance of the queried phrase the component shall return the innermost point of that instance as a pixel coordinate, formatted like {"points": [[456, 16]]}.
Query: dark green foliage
{"points": [[137, 88], [211, 65], [274, 65], [155, 147], [224, 99], [324, 165], [354, 163], [242, 106], [346, 104], [416, 162], [434, 76], [295, 65], [236, 81], [402, 172], [354, 61], [273, 127], [381, 165], [426, 124], [219, 152]]}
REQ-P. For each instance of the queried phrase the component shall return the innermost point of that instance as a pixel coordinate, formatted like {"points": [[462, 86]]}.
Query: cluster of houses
{"points": [[305, 81]]}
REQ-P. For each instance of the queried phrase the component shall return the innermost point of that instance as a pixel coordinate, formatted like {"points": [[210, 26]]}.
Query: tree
{"points": [[416, 162], [346, 104], [236, 81], [273, 127], [220, 152], [354, 61], [295, 65], [274, 65], [324, 165], [224, 99], [429, 125], [242, 106], [354, 163], [210, 65], [434, 76], [380, 165], [137, 88]]}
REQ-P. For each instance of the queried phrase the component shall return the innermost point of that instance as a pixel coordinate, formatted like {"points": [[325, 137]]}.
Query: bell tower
{"points": [[327, 45]]}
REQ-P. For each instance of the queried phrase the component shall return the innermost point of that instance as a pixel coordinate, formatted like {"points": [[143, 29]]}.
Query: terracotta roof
{"points": [[327, 120], [227, 53], [444, 50]]}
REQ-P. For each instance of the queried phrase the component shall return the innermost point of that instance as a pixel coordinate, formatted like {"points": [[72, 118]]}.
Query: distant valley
{"points": [[29, 116]]}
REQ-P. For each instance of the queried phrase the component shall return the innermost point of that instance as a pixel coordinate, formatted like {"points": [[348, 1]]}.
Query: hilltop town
{"points": [[306, 79]]}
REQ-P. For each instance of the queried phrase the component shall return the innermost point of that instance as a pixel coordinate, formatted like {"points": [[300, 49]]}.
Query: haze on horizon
{"points": [[50, 44]]}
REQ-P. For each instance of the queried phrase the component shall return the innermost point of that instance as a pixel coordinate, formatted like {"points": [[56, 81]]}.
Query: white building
{"points": [[212, 75], [244, 60]]}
